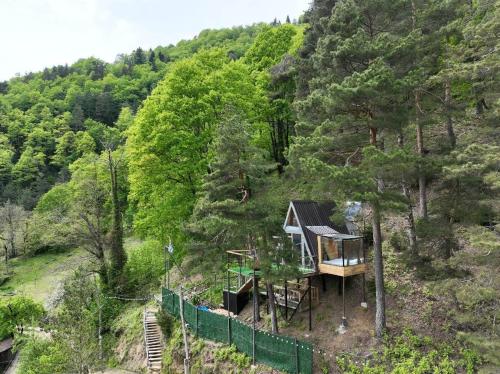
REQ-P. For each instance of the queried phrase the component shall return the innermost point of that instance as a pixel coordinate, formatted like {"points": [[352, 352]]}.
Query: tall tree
{"points": [[118, 256], [168, 144], [357, 85]]}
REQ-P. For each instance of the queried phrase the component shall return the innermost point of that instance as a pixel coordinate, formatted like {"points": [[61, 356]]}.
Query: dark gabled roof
{"points": [[313, 213]]}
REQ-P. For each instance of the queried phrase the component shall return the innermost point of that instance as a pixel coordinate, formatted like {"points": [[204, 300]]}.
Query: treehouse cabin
{"points": [[324, 247]]}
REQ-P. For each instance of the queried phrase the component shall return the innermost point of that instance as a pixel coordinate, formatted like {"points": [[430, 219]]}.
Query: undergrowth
{"points": [[409, 353]]}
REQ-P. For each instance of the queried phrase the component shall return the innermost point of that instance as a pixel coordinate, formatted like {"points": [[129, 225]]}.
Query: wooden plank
{"points": [[343, 271]]}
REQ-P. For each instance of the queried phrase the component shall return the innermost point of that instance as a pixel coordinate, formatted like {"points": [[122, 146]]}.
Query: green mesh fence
{"points": [[280, 352]]}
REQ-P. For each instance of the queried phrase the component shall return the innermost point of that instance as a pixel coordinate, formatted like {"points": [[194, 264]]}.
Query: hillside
{"points": [[343, 171]]}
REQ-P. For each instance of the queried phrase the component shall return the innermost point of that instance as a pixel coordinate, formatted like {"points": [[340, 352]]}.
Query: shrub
{"points": [[18, 311], [41, 356], [230, 354], [145, 267], [412, 354], [166, 323]]}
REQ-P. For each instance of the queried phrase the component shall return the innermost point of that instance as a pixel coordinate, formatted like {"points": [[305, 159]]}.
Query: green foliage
{"points": [[145, 266], [128, 326], [412, 354], [271, 44], [168, 143], [166, 323], [47, 117], [42, 356], [18, 311], [231, 354]]}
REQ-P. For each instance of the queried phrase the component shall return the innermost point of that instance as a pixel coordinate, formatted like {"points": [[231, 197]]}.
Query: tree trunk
{"points": [[410, 219], [272, 307], [379, 272], [449, 120], [422, 187], [422, 182], [422, 192], [255, 299], [118, 255]]}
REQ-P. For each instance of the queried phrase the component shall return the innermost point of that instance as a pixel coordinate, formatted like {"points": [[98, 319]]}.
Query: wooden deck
{"points": [[342, 271]]}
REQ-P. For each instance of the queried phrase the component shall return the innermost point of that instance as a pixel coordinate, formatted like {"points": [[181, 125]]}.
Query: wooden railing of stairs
{"points": [[153, 341], [293, 297]]}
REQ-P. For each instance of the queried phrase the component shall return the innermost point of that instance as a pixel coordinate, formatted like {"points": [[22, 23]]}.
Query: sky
{"points": [[36, 34]]}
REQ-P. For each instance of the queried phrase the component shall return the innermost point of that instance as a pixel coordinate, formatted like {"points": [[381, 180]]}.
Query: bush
{"points": [[145, 267], [18, 311], [398, 242], [41, 356], [166, 323], [231, 354], [412, 354]]}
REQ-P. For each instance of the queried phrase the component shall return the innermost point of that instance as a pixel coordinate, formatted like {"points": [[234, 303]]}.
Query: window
{"points": [[297, 241], [292, 220]]}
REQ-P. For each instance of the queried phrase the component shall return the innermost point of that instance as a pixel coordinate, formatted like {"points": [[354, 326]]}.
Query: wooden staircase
{"points": [[153, 340]]}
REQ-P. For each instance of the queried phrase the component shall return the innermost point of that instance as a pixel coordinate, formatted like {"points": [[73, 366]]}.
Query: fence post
{"points": [[297, 368], [229, 330], [253, 343], [196, 321]]}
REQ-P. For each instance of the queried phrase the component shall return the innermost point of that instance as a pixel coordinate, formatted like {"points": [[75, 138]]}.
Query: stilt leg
{"points": [[310, 305], [364, 304], [344, 319], [286, 300]]}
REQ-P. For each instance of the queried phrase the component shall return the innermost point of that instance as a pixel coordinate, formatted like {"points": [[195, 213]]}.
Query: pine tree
{"points": [[358, 83], [225, 216], [77, 118], [139, 57], [152, 60], [319, 10]]}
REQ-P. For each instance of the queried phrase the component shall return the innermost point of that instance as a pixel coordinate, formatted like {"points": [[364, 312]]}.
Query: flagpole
{"points": [[170, 249]]}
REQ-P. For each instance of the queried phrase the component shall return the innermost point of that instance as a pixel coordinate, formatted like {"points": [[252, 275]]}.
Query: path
{"points": [[153, 340]]}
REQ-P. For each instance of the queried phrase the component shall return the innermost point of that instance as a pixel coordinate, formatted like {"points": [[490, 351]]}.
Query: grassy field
{"points": [[38, 277]]}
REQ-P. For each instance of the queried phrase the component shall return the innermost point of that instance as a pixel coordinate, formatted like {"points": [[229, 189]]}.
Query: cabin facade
{"points": [[324, 247]]}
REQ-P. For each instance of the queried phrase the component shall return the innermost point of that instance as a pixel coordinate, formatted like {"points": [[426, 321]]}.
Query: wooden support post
{"points": [[228, 301], [323, 281], [310, 304], [256, 306], [342, 251], [286, 300], [363, 303], [267, 303], [253, 342], [344, 319]]}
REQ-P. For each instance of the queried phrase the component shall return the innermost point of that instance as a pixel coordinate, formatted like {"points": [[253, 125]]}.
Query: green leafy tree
{"points": [[42, 356], [17, 312], [29, 167], [169, 141]]}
